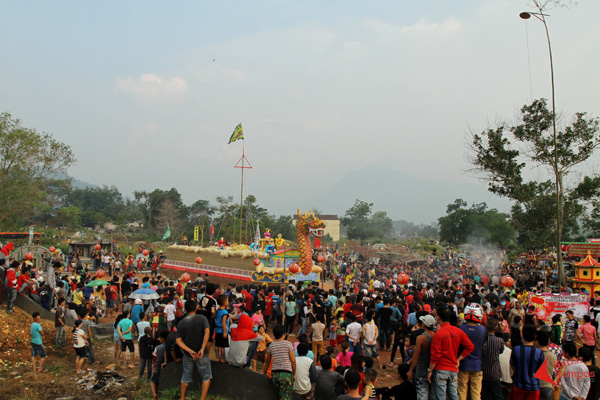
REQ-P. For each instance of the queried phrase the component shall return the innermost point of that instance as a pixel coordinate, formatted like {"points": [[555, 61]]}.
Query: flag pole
{"points": [[242, 189]]}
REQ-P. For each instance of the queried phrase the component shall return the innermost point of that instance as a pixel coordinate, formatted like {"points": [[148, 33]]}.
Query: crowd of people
{"points": [[452, 332]]}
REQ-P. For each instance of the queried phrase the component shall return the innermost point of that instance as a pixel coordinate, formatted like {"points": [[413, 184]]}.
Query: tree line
{"points": [[34, 189]]}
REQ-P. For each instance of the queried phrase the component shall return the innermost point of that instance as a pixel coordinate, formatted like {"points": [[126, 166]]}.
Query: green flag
{"points": [[238, 133], [167, 233]]}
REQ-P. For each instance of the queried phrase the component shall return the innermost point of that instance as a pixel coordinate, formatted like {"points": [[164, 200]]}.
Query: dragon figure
{"points": [[308, 223]]}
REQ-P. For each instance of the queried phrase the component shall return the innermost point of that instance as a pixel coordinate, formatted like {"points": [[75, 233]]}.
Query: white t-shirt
{"points": [[302, 383], [141, 326], [354, 330], [78, 340], [170, 311]]}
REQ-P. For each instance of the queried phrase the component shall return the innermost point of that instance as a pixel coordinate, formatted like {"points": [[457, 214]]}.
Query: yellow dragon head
{"points": [[310, 222]]}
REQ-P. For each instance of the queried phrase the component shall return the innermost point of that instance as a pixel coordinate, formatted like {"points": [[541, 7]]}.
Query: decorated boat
{"points": [[267, 260]]}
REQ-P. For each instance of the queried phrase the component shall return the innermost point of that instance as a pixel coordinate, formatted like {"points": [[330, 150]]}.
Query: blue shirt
{"points": [[36, 335], [125, 324], [477, 335], [396, 315], [219, 322], [310, 354], [521, 359], [412, 318], [135, 313]]}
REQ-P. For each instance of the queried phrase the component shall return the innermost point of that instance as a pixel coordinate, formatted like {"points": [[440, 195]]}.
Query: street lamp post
{"points": [[561, 273]]}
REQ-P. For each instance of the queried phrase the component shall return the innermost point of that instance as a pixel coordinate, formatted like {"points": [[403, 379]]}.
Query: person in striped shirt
{"points": [[493, 347], [283, 370]]}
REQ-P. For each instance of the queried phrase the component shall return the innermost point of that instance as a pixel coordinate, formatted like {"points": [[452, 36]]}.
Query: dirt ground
{"points": [[18, 381]]}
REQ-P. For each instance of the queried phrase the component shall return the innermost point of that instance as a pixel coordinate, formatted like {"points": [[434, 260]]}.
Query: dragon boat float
{"points": [[267, 260]]}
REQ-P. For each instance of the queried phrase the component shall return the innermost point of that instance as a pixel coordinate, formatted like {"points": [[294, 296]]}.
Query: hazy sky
{"points": [[148, 93]]}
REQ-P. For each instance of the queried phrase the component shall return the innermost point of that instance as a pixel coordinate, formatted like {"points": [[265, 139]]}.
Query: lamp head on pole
{"points": [[525, 15]]}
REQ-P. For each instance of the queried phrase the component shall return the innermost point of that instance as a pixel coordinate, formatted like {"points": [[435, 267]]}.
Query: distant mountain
{"points": [[76, 183], [402, 196]]}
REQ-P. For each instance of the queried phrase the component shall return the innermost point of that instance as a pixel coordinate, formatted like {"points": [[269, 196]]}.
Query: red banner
{"points": [[548, 305], [582, 249]]}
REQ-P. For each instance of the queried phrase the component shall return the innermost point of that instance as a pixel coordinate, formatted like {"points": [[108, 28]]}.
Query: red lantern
{"points": [[198, 260], [28, 256], [185, 277], [257, 262], [403, 278], [294, 268], [320, 258], [98, 247], [145, 253], [100, 273], [52, 249], [507, 281]]}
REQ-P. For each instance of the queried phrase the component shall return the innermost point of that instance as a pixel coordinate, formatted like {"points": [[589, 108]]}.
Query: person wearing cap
{"points": [[490, 363], [421, 359], [470, 373], [444, 350]]}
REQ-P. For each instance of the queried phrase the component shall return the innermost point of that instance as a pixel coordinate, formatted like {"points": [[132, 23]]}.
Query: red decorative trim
{"points": [[210, 273]]}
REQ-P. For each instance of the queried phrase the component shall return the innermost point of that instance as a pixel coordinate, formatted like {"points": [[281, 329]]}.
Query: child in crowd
{"points": [[408, 351], [154, 322], [37, 345], [161, 361], [221, 328], [341, 329], [257, 319], [261, 350], [370, 380], [284, 363], [344, 356], [333, 333], [146, 346], [79, 342], [329, 352]]}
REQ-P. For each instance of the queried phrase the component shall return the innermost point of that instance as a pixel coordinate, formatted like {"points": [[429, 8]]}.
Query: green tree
{"points": [[478, 225], [356, 220], [381, 225], [68, 217], [150, 205], [454, 226], [360, 224], [506, 155], [98, 205], [30, 161]]}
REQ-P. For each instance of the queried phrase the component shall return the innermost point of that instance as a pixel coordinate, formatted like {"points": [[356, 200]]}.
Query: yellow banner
{"points": [[196, 232]]}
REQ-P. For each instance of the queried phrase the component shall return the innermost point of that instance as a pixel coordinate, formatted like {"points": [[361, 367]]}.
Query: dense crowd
{"points": [[452, 332]]}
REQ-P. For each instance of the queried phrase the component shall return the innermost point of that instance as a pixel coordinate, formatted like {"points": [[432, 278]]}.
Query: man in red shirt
{"points": [[25, 283], [11, 285], [444, 360]]}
